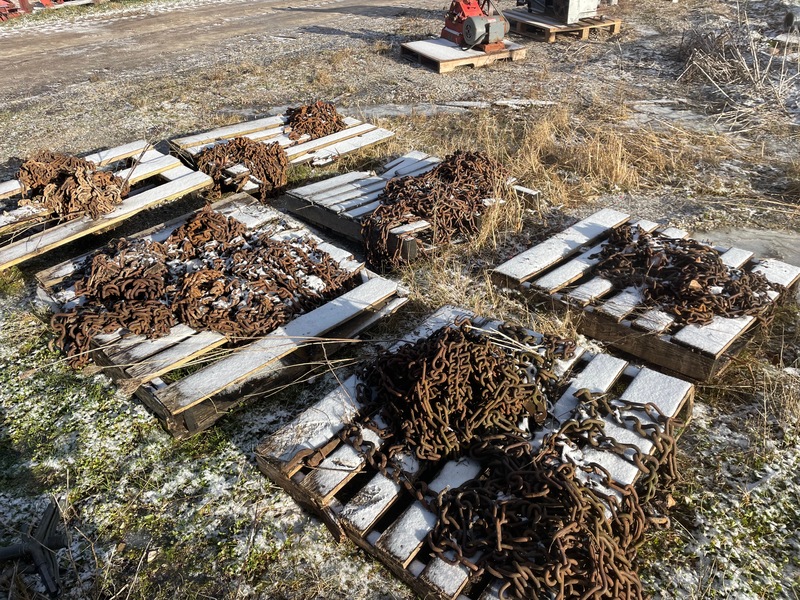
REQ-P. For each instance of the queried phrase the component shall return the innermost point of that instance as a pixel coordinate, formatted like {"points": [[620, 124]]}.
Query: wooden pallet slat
{"points": [[380, 517], [560, 270]]}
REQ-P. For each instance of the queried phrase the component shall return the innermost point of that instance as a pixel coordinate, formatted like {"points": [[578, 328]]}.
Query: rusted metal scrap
{"points": [[685, 278], [266, 162], [211, 273], [451, 197], [539, 518], [445, 390], [315, 120], [69, 186]]}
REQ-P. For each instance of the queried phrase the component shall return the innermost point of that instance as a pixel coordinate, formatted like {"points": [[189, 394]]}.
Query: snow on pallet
{"points": [[560, 269], [187, 404], [320, 151], [377, 513], [547, 28], [444, 56], [341, 203], [155, 178]]}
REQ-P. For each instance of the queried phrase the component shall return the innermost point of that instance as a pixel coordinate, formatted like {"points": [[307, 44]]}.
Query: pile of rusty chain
{"points": [[545, 521], [209, 274], [68, 186], [266, 162], [682, 277], [444, 390], [315, 120], [450, 197], [532, 522]]}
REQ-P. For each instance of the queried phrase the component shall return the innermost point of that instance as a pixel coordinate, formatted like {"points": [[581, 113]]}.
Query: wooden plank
{"points": [[309, 192], [375, 498], [404, 537], [622, 304], [330, 153], [573, 270], [40, 243], [538, 258], [599, 375], [338, 468], [176, 355], [229, 131], [230, 371], [300, 150], [10, 188], [714, 337], [648, 387], [111, 155], [778, 272], [313, 427], [595, 288], [134, 348], [148, 167]]}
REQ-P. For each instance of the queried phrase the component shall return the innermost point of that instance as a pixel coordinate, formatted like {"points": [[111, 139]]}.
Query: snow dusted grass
{"points": [[148, 517]]}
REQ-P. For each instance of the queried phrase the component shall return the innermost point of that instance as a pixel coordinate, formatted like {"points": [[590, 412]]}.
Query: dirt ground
{"points": [[689, 115]]}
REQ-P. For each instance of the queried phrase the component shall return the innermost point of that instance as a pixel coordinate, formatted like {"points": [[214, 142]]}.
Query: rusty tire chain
{"points": [[209, 274], [531, 520], [266, 162], [450, 196], [683, 277], [315, 120], [69, 186]]}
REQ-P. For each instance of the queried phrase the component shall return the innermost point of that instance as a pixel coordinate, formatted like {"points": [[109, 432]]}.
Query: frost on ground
{"points": [[148, 517]]}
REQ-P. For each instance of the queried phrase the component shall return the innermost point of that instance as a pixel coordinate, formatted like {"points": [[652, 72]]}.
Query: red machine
{"points": [[8, 9], [470, 23]]}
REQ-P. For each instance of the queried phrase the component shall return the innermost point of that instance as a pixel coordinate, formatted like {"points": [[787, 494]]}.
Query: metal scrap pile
{"points": [[444, 390], [542, 519], [682, 277], [68, 186], [451, 197], [211, 273], [266, 162], [314, 120]]}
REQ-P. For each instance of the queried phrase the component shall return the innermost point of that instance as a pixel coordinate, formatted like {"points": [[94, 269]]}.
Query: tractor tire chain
{"points": [[684, 278], [544, 522], [68, 186], [315, 120], [210, 274], [266, 162], [450, 196]]}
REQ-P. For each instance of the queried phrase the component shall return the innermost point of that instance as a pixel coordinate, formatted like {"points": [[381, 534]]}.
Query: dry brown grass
{"points": [[570, 153]]}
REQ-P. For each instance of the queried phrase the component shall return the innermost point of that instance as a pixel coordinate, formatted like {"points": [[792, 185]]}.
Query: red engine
{"points": [[468, 24]]}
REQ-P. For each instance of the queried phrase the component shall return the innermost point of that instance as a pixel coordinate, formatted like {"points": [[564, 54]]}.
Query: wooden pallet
{"points": [[444, 56], [546, 28], [381, 517], [560, 270], [188, 404], [341, 203], [155, 178], [320, 151]]}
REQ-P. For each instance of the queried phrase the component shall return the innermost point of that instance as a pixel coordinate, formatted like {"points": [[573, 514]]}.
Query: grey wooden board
{"points": [[230, 371], [537, 259]]}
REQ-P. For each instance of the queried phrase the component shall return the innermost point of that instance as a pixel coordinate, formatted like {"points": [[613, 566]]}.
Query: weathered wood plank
{"points": [[203, 384], [176, 355], [538, 258]]}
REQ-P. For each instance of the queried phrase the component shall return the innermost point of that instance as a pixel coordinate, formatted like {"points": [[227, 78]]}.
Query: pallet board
{"points": [[444, 56], [342, 202], [320, 151], [546, 28], [190, 403], [559, 270], [377, 514], [155, 178]]}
